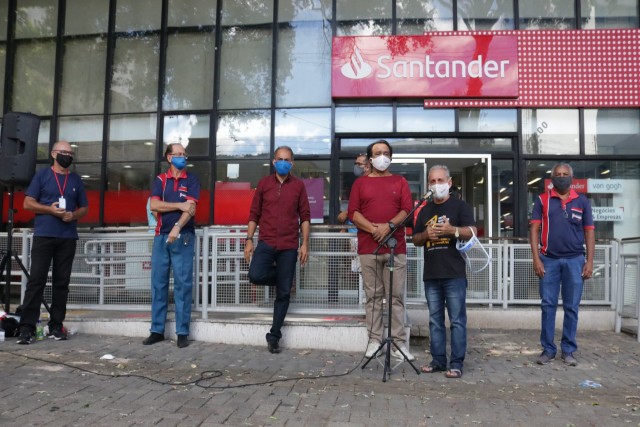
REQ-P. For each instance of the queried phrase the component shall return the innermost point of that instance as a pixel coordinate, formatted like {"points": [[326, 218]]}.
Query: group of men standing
{"points": [[379, 205]]}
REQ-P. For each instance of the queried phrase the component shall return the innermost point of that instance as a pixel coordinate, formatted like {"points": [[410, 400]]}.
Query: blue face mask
{"points": [[179, 162], [282, 167]]}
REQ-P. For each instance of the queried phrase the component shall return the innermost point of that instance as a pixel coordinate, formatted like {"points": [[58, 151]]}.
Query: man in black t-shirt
{"points": [[438, 226]]}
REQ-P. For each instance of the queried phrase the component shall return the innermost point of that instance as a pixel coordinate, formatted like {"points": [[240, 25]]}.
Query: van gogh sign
{"points": [[461, 66]]}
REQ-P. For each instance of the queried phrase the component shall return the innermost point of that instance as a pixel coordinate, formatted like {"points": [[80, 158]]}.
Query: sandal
{"points": [[453, 373], [430, 369]]}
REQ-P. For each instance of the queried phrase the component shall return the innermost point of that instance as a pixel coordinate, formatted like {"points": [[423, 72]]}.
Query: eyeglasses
{"points": [[180, 155], [65, 152]]}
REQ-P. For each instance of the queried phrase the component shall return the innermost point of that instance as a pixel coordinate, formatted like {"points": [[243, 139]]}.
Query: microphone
{"points": [[427, 195]]}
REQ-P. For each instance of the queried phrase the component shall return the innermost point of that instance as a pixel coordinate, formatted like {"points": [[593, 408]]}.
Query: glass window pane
{"points": [[134, 84], [363, 17], [82, 89], [304, 61], [245, 81], [90, 174], [86, 17], [132, 138], [550, 131], [190, 59], [191, 130], [598, 14], [612, 131], [247, 12], [201, 169], [306, 131], [236, 181], [4, 13], [33, 77], [128, 186], [476, 15], [44, 136], [417, 16], [488, 120], [502, 197], [138, 15], [36, 18], [243, 134], [85, 136], [364, 119], [547, 14], [3, 58], [419, 119], [193, 13], [296, 11]]}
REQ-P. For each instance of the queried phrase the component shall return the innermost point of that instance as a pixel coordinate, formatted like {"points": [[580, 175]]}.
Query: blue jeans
{"points": [[179, 257], [569, 272], [451, 293], [262, 271]]}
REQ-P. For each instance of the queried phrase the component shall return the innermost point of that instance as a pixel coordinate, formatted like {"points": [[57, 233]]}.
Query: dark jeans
{"points": [[262, 271], [44, 251]]}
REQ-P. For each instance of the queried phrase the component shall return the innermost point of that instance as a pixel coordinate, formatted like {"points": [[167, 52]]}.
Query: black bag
{"points": [[10, 326]]}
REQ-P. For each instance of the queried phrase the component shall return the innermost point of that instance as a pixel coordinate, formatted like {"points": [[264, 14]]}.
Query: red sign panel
{"points": [[460, 66], [578, 185]]}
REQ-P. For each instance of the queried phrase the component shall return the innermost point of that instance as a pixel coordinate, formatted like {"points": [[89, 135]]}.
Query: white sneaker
{"points": [[371, 348], [395, 353]]}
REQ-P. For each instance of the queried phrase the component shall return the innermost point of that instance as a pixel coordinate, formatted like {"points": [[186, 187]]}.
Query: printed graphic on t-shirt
{"points": [[441, 243]]}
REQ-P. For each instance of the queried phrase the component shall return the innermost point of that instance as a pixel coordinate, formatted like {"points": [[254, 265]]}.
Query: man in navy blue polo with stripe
{"points": [[561, 224], [173, 196]]}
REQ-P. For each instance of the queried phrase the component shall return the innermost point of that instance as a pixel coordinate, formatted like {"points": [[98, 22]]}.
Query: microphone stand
{"points": [[391, 242]]}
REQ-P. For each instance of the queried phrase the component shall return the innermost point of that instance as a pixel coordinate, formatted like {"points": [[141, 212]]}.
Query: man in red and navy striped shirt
{"points": [[561, 224]]}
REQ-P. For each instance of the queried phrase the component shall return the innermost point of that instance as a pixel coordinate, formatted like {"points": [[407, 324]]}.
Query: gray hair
{"points": [[560, 165], [443, 167]]}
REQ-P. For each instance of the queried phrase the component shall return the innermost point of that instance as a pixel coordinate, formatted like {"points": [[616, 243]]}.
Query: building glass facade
{"points": [[234, 79]]}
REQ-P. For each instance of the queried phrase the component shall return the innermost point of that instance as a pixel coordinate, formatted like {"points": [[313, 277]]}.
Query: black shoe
{"points": [[153, 338], [58, 334], [26, 337], [274, 347], [183, 341]]}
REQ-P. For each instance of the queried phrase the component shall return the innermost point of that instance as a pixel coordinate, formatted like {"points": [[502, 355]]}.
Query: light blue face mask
{"points": [[179, 162], [282, 167]]}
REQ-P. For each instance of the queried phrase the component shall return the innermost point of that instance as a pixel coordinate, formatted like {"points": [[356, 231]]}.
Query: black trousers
{"points": [[47, 251]]}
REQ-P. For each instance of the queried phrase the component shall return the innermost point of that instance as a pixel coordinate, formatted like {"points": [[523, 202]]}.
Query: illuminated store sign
{"points": [[425, 66]]}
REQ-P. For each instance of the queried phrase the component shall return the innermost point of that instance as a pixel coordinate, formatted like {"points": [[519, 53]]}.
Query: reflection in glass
{"points": [[92, 182], [189, 73], [306, 131], [43, 140], [132, 138], [418, 16], [502, 197], [476, 15], [599, 14], [364, 119], [363, 17], [550, 131], [138, 15], [128, 186], [235, 185], [488, 120], [612, 131], [3, 58], [36, 18], [547, 14], [85, 136], [194, 13], [419, 119], [86, 17], [243, 134], [134, 85], [4, 8], [82, 89], [33, 77], [190, 130]]}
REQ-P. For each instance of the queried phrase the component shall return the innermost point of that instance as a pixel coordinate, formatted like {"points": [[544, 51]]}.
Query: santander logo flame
{"points": [[357, 68]]}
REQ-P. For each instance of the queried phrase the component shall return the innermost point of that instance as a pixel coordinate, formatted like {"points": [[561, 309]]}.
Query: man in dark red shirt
{"points": [[281, 208]]}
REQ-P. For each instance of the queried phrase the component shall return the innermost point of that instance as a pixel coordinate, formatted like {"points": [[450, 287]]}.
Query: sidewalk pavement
{"points": [[502, 385]]}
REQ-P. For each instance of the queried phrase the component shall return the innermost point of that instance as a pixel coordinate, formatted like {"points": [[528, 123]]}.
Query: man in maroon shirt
{"points": [[379, 203], [281, 208]]}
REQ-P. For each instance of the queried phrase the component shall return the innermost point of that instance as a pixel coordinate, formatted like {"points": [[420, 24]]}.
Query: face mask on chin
{"points": [[440, 191], [381, 163]]}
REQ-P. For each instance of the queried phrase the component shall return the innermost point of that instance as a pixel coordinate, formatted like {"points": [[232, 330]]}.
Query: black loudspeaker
{"points": [[18, 148]]}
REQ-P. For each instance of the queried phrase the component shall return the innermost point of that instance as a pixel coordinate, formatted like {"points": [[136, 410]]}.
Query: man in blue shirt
{"points": [[57, 197], [174, 196]]}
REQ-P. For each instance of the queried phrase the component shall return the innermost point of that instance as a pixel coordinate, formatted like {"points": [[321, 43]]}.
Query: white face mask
{"points": [[440, 191], [381, 163]]}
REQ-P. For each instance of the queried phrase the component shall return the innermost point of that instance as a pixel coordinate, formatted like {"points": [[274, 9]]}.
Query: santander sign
{"points": [[466, 66]]}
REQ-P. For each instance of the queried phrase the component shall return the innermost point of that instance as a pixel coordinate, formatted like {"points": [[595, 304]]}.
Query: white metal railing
{"points": [[628, 293]]}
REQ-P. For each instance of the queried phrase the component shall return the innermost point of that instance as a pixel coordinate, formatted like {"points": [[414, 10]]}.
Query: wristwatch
{"points": [[392, 226], [457, 233]]}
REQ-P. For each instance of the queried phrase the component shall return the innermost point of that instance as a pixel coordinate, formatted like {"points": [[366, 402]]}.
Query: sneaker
{"points": [[544, 358], [26, 337], [58, 334], [274, 346], [396, 354], [153, 338], [371, 348], [183, 341], [569, 359]]}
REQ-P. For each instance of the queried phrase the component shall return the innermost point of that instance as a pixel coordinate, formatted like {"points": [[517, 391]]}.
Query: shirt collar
{"points": [[183, 174], [572, 194]]}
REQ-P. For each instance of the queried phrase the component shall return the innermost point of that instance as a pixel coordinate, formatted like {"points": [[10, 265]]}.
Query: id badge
{"points": [[62, 203]]}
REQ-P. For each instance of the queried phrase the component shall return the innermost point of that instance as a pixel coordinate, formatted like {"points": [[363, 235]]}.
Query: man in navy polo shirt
{"points": [[174, 196], [561, 222], [280, 207], [57, 197]]}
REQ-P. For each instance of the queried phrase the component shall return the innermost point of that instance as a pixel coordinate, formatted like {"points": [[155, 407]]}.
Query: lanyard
{"points": [[55, 175]]}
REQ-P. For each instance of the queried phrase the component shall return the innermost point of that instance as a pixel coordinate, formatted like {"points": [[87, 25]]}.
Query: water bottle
{"points": [[39, 331]]}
